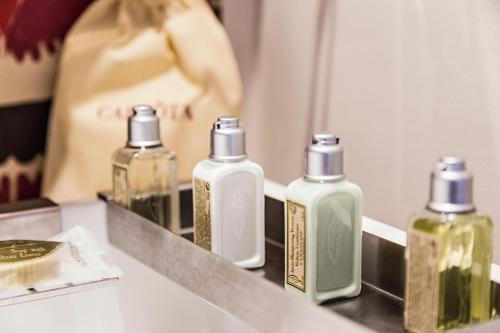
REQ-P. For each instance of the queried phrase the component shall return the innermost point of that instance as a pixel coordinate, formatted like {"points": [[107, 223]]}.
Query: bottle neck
{"points": [[324, 180], [227, 160], [443, 213], [144, 147]]}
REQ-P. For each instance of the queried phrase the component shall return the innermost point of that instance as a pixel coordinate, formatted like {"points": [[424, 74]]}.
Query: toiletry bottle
{"points": [[228, 196], [323, 213], [448, 257], [145, 172]]}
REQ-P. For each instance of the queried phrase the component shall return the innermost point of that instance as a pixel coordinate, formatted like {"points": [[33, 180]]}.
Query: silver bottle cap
{"points": [[143, 127], [227, 141], [324, 158], [451, 187]]}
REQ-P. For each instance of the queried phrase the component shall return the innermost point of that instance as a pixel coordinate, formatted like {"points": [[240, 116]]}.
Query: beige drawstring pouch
{"points": [[171, 54]]}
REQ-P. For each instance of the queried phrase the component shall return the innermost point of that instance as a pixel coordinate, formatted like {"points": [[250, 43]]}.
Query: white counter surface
{"points": [[142, 301]]}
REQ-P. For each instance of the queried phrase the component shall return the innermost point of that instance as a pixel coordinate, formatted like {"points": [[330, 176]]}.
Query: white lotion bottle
{"points": [[323, 213], [228, 197]]}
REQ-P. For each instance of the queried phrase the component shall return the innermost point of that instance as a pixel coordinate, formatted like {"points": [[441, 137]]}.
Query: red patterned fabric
{"points": [[28, 189], [27, 26]]}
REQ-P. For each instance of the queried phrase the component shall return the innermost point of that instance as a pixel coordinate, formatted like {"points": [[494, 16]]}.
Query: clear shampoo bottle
{"points": [[145, 172], [323, 213], [228, 197], [448, 255]]}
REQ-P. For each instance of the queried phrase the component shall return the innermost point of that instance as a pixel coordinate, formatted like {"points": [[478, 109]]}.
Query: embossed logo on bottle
{"points": [[335, 241], [339, 218], [238, 212]]}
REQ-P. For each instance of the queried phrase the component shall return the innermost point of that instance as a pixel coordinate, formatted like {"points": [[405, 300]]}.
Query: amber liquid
{"points": [[154, 207], [464, 257], [145, 181]]}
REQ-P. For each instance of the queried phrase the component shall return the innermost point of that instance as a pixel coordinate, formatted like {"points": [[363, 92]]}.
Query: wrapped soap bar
{"points": [[73, 257], [26, 262]]}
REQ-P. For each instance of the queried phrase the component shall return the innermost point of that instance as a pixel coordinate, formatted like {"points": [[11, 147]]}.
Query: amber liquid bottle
{"points": [[448, 257], [145, 172]]}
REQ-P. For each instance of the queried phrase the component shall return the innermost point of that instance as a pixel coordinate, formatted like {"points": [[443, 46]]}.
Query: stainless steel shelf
{"points": [[257, 296], [374, 308]]}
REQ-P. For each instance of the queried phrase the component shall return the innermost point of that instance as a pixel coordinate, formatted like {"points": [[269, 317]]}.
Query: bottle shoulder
{"points": [[337, 186], [122, 156], [256, 166], [434, 222], [128, 155], [354, 188], [208, 168], [155, 152], [303, 189]]}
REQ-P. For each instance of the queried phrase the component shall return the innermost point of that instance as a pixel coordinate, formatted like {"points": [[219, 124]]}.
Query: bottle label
{"points": [[296, 245], [202, 226], [14, 251], [422, 282], [120, 195]]}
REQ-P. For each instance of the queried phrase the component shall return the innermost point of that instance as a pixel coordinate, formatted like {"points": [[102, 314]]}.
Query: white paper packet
{"points": [[70, 258]]}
